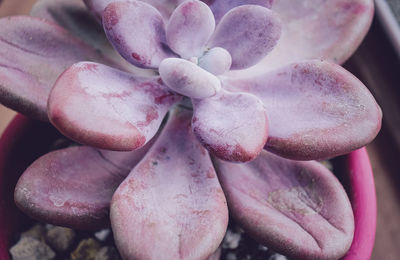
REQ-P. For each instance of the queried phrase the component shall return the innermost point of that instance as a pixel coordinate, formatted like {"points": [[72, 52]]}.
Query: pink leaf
{"points": [[74, 16], [189, 28], [165, 7], [136, 30], [186, 78], [316, 109], [297, 208], [220, 7], [248, 33], [319, 29], [33, 52], [172, 197], [232, 126], [73, 186], [107, 108]]}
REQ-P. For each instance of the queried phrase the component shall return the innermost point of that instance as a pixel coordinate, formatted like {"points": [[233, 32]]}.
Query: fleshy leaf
{"points": [[73, 187], [33, 52], [248, 33], [186, 78], [316, 109], [317, 29], [136, 30], [173, 197], [106, 108], [74, 16], [220, 7], [296, 208], [165, 7], [216, 61], [189, 28], [232, 126]]}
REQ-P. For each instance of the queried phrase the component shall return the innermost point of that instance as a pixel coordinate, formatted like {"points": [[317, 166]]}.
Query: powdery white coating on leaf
{"points": [[73, 186], [318, 29], [107, 108], [189, 28], [165, 7], [248, 33], [74, 16], [136, 30], [172, 197], [316, 109], [33, 52], [296, 208], [232, 126], [220, 7], [186, 78], [216, 61]]}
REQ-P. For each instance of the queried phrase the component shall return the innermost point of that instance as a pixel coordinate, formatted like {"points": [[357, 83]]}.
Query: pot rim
{"points": [[361, 180]]}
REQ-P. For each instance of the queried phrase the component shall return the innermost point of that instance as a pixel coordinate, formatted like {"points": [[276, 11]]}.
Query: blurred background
{"points": [[377, 64]]}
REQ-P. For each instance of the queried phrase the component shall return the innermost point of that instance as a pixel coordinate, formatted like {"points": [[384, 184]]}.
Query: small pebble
{"points": [[230, 256], [103, 234], [262, 248], [29, 248], [60, 238], [231, 240], [86, 250], [277, 257], [107, 253], [37, 231]]}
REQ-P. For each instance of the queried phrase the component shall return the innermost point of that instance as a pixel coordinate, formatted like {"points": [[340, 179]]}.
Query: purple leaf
{"points": [[221, 7], [74, 16], [186, 78], [106, 108], [173, 197], [136, 30], [73, 186], [317, 29], [248, 33], [316, 109], [216, 61], [33, 52], [189, 28], [232, 126], [165, 7], [297, 208]]}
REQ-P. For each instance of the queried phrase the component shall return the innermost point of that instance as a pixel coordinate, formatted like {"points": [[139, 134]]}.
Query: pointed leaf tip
{"points": [[106, 108]]}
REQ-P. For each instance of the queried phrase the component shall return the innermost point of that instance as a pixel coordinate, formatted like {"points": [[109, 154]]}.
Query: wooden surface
{"points": [[370, 63]]}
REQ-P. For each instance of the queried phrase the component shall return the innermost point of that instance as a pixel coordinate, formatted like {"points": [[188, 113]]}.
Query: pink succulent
{"points": [[207, 65]]}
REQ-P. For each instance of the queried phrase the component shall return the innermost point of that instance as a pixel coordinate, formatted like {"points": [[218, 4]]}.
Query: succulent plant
{"points": [[243, 90]]}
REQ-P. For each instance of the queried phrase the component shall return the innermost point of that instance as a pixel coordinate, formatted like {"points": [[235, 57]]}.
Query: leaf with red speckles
{"points": [[319, 29], [232, 126], [297, 208], [74, 16], [221, 7], [73, 187], [106, 108], [165, 7], [316, 109], [189, 28], [173, 197], [33, 52], [136, 30], [248, 33]]}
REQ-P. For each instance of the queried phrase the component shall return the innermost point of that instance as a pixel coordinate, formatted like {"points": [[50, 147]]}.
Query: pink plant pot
{"points": [[24, 140]]}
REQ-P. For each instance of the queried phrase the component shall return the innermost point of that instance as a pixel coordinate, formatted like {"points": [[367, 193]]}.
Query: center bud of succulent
{"points": [[195, 77]]}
